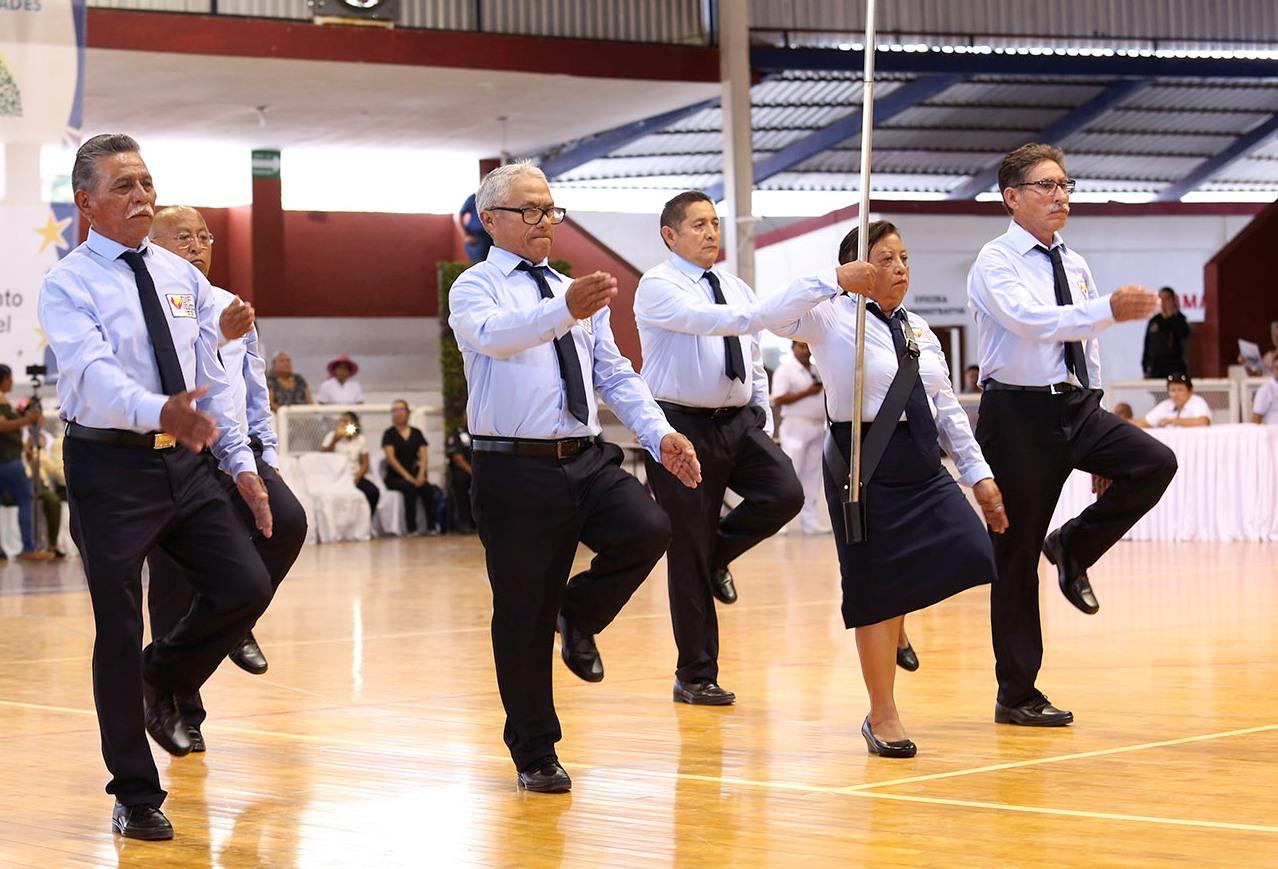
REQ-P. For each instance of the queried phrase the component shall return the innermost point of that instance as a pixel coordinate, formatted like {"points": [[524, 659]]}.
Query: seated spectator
{"points": [[341, 386], [406, 464], [13, 474], [459, 452], [1264, 410], [347, 440], [972, 379], [285, 386], [1123, 410], [1266, 361], [1165, 337], [1181, 407]]}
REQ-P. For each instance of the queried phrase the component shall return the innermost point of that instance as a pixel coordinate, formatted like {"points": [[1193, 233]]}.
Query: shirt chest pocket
{"points": [[180, 314]]}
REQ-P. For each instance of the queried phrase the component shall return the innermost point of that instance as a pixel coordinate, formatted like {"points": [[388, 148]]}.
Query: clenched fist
{"points": [[1132, 302]]}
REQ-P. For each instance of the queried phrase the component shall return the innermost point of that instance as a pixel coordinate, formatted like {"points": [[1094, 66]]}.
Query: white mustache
{"points": [[143, 209]]}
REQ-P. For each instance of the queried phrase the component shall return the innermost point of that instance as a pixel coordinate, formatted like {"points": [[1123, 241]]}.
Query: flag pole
{"points": [[863, 217]]}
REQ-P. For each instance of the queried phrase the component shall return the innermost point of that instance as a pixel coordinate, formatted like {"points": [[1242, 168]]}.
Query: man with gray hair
{"points": [[1039, 314], [537, 345], [143, 394]]}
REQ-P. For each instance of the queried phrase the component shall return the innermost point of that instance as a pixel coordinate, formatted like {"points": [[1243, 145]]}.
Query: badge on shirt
{"points": [[587, 324], [181, 304], [1082, 288]]}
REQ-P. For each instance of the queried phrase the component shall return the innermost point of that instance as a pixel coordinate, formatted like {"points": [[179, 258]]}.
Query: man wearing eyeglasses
{"points": [[536, 346], [182, 230], [1039, 312]]}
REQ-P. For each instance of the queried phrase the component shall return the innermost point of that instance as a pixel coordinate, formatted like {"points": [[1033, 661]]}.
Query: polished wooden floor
{"points": [[375, 739]]}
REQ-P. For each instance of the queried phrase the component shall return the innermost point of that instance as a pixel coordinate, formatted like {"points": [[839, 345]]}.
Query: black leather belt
{"points": [[712, 412], [992, 385], [539, 449], [118, 437]]}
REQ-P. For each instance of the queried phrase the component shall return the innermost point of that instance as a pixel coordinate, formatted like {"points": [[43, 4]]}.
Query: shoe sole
{"points": [[681, 697], [519, 784], [143, 835], [1051, 559], [1007, 719]]}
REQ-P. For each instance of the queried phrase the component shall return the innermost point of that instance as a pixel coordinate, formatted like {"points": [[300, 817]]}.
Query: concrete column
{"points": [[738, 150]]}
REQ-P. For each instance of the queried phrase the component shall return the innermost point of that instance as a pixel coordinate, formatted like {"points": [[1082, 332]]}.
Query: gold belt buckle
{"points": [[163, 441]]}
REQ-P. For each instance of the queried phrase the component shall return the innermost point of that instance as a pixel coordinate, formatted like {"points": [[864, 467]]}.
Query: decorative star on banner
{"points": [[51, 233]]}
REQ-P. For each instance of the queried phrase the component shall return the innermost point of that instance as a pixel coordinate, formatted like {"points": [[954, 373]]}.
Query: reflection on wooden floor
{"points": [[375, 739]]}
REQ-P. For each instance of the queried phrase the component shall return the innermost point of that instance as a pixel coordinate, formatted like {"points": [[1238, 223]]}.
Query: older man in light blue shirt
{"points": [[537, 347], [134, 330], [1039, 312]]}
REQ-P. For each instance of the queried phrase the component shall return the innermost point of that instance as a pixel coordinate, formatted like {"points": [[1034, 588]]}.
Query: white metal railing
{"points": [[301, 427]]}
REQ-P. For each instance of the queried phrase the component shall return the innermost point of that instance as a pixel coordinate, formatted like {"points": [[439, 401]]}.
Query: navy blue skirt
{"points": [[924, 541]]}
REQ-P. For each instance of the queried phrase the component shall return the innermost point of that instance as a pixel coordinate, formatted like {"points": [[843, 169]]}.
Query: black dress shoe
{"points": [[248, 656], [164, 723], [704, 693], [1074, 583], [906, 659], [894, 748], [545, 776], [141, 822], [1040, 713], [196, 737], [722, 587], [579, 651]]}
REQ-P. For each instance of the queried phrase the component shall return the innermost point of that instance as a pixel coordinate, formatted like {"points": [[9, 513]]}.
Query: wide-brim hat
{"points": [[350, 363]]}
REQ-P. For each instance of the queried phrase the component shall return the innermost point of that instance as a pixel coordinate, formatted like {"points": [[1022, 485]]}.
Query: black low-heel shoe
{"points": [[896, 748], [906, 658]]}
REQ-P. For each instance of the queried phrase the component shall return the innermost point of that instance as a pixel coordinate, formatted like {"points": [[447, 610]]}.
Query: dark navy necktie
{"points": [[566, 350], [1075, 361], [171, 379], [734, 364], [917, 412]]}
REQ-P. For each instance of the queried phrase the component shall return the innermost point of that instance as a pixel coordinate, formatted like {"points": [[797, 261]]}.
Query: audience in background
{"points": [[1123, 410], [1165, 336], [972, 379], [347, 440], [1267, 360], [458, 451], [406, 464], [341, 386], [13, 475], [1264, 409], [799, 396], [285, 386], [1181, 407], [45, 461]]}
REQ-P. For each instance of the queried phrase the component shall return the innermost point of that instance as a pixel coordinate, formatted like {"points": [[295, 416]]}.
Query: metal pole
{"points": [[863, 252]]}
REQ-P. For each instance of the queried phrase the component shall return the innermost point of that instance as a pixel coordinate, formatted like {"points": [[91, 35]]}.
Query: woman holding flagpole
{"points": [[910, 539]]}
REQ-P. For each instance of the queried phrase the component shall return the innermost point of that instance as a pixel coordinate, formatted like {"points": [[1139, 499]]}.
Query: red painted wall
{"points": [[587, 254], [1241, 293]]}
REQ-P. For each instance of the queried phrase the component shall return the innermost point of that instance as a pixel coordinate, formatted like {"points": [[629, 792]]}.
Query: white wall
{"points": [[1150, 250]]}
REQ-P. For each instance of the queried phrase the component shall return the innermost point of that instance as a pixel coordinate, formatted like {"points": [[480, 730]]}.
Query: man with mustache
{"points": [[134, 330], [182, 231], [699, 328], [1039, 313], [537, 346]]}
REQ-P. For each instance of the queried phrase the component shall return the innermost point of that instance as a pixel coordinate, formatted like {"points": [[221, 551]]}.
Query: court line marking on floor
{"points": [[1071, 813], [1060, 758], [856, 790]]}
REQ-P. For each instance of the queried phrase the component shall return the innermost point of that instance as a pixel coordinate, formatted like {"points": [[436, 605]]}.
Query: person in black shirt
{"points": [[1165, 338], [405, 448], [458, 451]]}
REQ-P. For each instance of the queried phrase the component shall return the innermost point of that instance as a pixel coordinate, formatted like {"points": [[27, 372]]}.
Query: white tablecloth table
{"points": [[1225, 489]]}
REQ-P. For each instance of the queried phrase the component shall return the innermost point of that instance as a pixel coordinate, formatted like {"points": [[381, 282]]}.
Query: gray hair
{"points": [[495, 187], [84, 173]]}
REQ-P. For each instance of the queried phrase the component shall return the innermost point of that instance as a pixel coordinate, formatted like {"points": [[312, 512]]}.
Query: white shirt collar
{"points": [[1023, 242], [508, 262]]}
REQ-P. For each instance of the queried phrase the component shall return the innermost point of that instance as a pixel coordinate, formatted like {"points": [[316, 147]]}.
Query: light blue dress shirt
{"points": [[245, 366], [505, 330], [1020, 329], [108, 377], [681, 330], [830, 330]]}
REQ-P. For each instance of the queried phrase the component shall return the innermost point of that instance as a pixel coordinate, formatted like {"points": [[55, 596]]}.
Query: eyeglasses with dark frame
{"points": [[533, 215], [1049, 185]]}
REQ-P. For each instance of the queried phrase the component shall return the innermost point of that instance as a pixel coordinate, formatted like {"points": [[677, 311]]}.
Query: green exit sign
{"points": [[266, 164]]}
